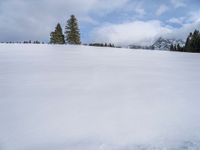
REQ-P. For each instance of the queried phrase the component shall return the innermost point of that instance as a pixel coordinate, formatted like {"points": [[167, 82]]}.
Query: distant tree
{"points": [[171, 47], [72, 32], [52, 38], [179, 47], [111, 45], [102, 45], [57, 36], [36, 42], [175, 47]]}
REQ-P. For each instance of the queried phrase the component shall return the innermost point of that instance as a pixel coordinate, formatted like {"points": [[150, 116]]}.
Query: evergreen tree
{"points": [[72, 31], [52, 38], [193, 42], [178, 47], [171, 47], [187, 47], [57, 36], [175, 47]]}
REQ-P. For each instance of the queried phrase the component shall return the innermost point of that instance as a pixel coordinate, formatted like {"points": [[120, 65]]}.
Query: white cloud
{"points": [[178, 3], [162, 9], [88, 19], [138, 8], [177, 20], [191, 18], [140, 11], [195, 16], [188, 24], [183, 32], [105, 6], [136, 32]]}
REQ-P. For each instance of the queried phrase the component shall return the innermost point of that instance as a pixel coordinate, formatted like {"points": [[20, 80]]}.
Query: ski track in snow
{"points": [[85, 98]]}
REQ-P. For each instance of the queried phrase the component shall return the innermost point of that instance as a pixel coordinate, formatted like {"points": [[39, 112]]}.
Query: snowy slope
{"points": [[87, 98]]}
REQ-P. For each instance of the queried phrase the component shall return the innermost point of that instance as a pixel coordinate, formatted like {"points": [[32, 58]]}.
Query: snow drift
{"points": [[86, 98]]}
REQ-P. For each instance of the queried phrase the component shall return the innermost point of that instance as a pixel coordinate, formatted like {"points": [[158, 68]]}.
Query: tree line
{"points": [[24, 42], [72, 33], [101, 44], [192, 44]]}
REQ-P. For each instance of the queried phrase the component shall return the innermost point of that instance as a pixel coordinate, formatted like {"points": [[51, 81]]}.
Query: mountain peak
{"points": [[164, 44]]}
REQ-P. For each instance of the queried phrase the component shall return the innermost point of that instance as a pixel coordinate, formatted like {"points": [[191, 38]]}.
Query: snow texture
{"points": [[85, 98]]}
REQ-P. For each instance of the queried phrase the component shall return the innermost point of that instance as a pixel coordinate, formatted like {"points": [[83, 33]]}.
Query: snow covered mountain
{"points": [[160, 44], [164, 44], [62, 97]]}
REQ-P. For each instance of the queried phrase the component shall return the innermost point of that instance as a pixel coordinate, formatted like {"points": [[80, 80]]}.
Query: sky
{"points": [[122, 22]]}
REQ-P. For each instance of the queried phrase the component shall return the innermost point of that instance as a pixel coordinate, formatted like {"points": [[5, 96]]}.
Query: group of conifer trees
{"points": [[72, 33], [102, 44], [192, 44]]}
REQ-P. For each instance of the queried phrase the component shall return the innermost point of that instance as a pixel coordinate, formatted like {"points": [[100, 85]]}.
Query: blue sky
{"points": [[121, 22]]}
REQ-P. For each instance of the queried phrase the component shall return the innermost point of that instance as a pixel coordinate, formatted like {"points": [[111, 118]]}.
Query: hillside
{"points": [[86, 98]]}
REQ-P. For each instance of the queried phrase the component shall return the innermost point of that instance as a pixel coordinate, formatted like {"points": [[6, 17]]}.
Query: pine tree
{"points": [[187, 47], [175, 47], [57, 36], [52, 38], [198, 43], [193, 42], [179, 47], [72, 31], [171, 47]]}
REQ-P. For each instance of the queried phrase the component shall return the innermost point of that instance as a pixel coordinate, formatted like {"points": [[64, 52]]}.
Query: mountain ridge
{"points": [[160, 44]]}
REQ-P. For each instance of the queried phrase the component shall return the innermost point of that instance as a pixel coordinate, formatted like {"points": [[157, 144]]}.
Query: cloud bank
{"points": [[136, 32]]}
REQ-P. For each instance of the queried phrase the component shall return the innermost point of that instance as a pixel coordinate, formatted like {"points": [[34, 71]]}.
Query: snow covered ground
{"points": [[86, 98]]}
